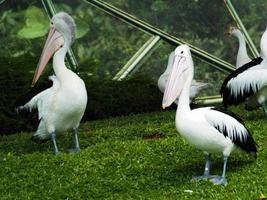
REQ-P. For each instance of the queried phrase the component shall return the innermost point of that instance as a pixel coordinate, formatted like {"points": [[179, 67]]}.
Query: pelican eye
{"points": [[61, 46], [182, 52]]}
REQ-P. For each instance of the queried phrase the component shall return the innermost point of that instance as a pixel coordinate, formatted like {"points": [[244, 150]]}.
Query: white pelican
{"points": [[242, 55], [208, 129], [195, 88], [248, 80], [61, 106]]}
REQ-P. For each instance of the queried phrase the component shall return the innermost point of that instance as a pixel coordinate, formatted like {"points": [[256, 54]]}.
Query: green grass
{"points": [[119, 160]]}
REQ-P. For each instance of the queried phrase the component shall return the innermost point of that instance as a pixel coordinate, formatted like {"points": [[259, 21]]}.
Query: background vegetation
{"points": [[104, 44]]}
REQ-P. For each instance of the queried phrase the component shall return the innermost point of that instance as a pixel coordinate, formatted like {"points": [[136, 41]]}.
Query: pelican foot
{"points": [[74, 150], [203, 177], [219, 180]]}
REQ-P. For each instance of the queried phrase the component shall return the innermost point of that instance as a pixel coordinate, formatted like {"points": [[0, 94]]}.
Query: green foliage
{"points": [[36, 24], [118, 162], [15, 81]]}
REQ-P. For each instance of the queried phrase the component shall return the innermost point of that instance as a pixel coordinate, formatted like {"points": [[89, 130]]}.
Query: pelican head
{"points": [[181, 69], [61, 36], [231, 30]]}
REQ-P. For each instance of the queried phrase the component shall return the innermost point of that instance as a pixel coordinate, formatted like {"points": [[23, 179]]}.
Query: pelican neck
{"points": [[242, 49], [59, 66], [183, 106], [263, 45]]}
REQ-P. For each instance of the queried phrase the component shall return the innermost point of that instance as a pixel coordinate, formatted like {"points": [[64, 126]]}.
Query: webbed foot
{"points": [[74, 150], [219, 181], [203, 177]]}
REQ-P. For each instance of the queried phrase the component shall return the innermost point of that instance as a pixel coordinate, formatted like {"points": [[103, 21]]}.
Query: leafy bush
{"points": [[115, 98]]}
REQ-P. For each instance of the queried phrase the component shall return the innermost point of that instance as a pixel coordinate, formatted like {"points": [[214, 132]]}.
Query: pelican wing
{"points": [[243, 83], [231, 126], [42, 100], [196, 87]]}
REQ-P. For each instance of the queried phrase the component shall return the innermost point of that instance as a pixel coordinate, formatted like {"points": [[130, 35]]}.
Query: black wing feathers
{"points": [[248, 144], [228, 99]]}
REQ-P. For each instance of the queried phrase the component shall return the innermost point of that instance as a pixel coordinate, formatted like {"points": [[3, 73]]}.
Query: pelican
{"points": [[248, 81], [60, 107], [242, 55], [208, 129], [196, 86], [242, 58]]}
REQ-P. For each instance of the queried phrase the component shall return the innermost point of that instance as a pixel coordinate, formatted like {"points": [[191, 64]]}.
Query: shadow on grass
{"points": [[22, 144], [181, 171], [185, 173]]}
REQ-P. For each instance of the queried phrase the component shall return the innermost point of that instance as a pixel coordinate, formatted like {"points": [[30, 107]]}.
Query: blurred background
{"points": [[104, 45]]}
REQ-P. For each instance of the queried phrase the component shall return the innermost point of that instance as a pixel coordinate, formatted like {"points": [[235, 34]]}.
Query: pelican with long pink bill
{"points": [[62, 106], [208, 129]]}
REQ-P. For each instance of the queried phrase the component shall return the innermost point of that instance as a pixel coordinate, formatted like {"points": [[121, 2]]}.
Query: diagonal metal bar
{"points": [[237, 19], [2, 1], [208, 101], [134, 21], [50, 10], [139, 58]]}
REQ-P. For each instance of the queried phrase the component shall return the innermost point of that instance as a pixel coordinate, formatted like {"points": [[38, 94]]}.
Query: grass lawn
{"points": [[135, 157]]}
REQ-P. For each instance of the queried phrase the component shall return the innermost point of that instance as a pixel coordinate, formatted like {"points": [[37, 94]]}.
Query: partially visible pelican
{"points": [[196, 86], [208, 129], [60, 107], [242, 58], [248, 81], [242, 55]]}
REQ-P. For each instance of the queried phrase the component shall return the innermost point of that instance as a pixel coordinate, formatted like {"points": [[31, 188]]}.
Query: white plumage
{"points": [[60, 107], [208, 129], [247, 82]]}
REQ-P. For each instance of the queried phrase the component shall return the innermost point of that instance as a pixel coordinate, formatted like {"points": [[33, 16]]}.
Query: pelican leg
{"points": [[221, 180], [53, 137], [206, 174], [76, 142], [264, 107]]}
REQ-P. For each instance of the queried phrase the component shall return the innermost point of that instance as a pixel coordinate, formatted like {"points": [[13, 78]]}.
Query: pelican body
{"points": [[196, 86], [248, 82], [208, 129], [60, 107]]}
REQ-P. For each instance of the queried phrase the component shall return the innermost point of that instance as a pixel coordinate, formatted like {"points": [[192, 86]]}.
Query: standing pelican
{"points": [[242, 55], [208, 129], [195, 88], [248, 81], [242, 58], [60, 107]]}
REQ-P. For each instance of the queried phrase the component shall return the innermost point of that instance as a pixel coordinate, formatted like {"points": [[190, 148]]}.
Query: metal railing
{"points": [[139, 58], [148, 28]]}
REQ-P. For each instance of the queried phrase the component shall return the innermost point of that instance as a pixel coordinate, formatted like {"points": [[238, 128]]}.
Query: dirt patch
{"points": [[154, 136]]}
